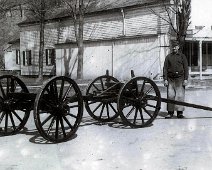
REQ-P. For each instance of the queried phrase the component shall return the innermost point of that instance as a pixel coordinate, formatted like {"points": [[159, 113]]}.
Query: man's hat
{"points": [[174, 44]]}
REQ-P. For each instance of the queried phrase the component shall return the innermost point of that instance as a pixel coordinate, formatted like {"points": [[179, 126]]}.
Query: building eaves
{"points": [[100, 6], [14, 41]]}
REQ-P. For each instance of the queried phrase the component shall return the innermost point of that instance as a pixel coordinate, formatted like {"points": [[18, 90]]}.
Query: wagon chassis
{"points": [[58, 104]]}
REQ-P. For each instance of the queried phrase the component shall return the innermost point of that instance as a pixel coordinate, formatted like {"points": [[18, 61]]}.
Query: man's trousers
{"points": [[175, 91]]}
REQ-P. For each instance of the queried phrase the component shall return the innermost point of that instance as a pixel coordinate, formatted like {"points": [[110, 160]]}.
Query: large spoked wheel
{"points": [[139, 102], [58, 109], [101, 102], [13, 116]]}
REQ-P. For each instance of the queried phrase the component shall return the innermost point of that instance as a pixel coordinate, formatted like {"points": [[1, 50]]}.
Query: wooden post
{"points": [[132, 74], [107, 72], [200, 58]]}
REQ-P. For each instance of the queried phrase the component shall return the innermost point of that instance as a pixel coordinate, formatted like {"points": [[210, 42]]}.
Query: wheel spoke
{"points": [[67, 91], [61, 90], [56, 130], [102, 110], [69, 124], [108, 115], [73, 106], [8, 86], [141, 114], [129, 113], [12, 121], [62, 126], [102, 84], [96, 87], [72, 115], [53, 88], [2, 90], [50, 126], [46, 120], [142, 87], [97, 107], [113, 108], [2, 116], [6, 122], [150, 115], [136, 87], [17, 116], [149, 90], [70, 99], [135, 117], [13, 87], [151, 105]]}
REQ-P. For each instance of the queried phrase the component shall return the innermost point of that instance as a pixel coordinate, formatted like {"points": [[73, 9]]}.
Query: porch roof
{"points": [[204, 34]]}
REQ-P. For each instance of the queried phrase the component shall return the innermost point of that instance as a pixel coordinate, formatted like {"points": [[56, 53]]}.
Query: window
{"points": [[50, 57], [27, 58], [18, 57], [207, 54]]}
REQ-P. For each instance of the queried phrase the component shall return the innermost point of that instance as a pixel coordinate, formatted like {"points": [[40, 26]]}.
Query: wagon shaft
{"points": [[186, 104]]}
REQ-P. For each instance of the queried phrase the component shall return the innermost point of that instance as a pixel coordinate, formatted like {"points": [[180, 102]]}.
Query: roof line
{"points": [[89, 13]]}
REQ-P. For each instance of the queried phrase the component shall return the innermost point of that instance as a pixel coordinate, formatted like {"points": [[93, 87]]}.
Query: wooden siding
{"points": [[97, 59], [140, 55], [119, 57], [144, 22], [30, 41], [139, 22]]}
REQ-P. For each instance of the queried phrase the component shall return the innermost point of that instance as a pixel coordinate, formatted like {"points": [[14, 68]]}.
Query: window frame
{"points": [[50, 56], [18, 57], [27, 58]]}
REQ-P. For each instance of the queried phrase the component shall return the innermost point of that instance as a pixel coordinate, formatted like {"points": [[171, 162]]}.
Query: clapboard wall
{"points": [[113, 40]]}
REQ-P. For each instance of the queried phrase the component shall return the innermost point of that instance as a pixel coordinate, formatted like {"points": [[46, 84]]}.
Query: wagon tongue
{"points": [[186, 104]]}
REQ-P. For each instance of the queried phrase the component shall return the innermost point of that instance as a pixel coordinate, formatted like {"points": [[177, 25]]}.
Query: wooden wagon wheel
{"points": [[101, 102], [139, 102], [12, 116], [58, 109]]}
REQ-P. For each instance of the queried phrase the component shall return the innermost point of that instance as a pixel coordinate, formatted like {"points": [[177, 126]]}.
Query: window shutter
{"points": [[47, 57], [24, 58], [30, 57]]}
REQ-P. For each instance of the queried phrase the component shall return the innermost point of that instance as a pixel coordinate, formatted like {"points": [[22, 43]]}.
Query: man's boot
{"points": [[169, 115], [180, 114]]}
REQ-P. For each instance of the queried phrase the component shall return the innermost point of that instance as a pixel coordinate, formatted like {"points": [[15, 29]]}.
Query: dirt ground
{"points": [[176, 144]]}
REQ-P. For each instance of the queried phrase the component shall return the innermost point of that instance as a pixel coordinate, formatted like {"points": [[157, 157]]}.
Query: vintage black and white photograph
{"points": [[105, 85]]}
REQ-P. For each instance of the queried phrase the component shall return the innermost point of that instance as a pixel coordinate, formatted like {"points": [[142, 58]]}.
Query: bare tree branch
{"points": [[182, 12]]}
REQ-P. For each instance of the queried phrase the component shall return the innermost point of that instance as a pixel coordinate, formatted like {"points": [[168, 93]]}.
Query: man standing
{"points": [[175, 74]]}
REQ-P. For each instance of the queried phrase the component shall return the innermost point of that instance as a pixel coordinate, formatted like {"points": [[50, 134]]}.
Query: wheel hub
{"points": [[8, 104], [141, 102], [61, 110]]}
